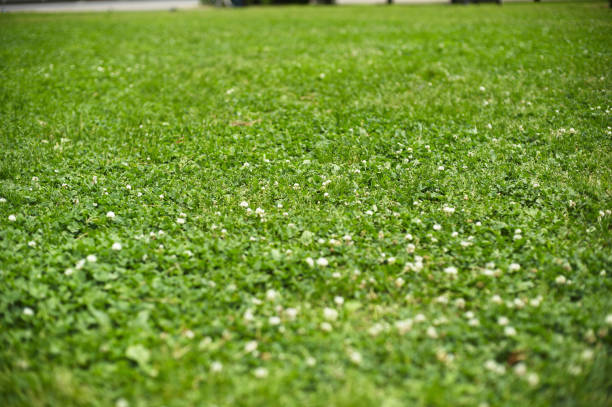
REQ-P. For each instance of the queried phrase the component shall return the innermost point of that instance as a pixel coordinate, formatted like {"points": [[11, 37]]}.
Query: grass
{"points": [[352, 128]]}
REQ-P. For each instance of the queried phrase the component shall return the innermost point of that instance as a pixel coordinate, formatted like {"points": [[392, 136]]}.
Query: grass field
{"points": [[322, 206]]}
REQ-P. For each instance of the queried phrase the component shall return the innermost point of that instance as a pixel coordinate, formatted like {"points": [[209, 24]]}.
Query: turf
{"points": [[324, 206]]}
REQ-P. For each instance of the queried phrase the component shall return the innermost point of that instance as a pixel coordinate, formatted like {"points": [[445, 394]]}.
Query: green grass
{"points": [[345, 116]]}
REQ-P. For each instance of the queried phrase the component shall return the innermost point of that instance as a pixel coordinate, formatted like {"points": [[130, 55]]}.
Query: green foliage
{"points": [[426, 217]]}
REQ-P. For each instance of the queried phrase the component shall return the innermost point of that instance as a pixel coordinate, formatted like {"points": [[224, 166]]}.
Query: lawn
{"points": [[322, 206]]}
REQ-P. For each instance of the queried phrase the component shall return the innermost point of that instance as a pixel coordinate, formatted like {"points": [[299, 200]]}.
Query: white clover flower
{"points": [[116, 246], [482, 88], [408, 236], [441, 168], [496, 299], [271, 295], [28, 311], [291, 313], [326, 327], [274, 320], [355, 357], [509, 331], [338, 300], [92, 258], [79, 264], [561, 280], [376, 329], [2, 200], [347, 238], [410, 248], [503, 321], [518, 303], [261, 373], [587, 355], [32, 243], [12, 218], [399, 282], [128, 187], [437, 227], [451, 270], [520, 369], [495, 367], [248, 315], [473, 322], [431, 332], [68, 271], [260, 212], [448, 210], [533, 379], [336, 274], [310, 261], [216, 367], [609, 319], [180, 221], [322, 262], [330, 314], [250, 346], [420, 318], [514, 267], [310, 361], [110, 214], [403, 326]]}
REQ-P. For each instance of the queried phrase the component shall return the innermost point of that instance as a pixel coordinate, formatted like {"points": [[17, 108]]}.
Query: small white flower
{"points": [[180, 221], [347, 238], [509, 331], [609, 319], [12, 218], [248, 315], [291, 313], [161, 196], [326, 327], [533, 379], [116, 246], [274, 320], [79, 265], [399, 282], [587, 355], [244, 204], [437, 227], [375, 329], [561, 280], [330, 314], [410, 248], [122, 403], [271, 295], [260, 212], [355, 357], [28, 311], [503, 321], [482, 88], [32, 243], [441, 168], [520, 369], [250, 346], [322, 262], [338, 300], [473, 322], [420, 318], [496, 299], [449, 210], [432, 333], [310, 361], [68, 271], [216, 367], [451, 271], [2, 200], [128, 187], [110, 214], [310, 261], [514, 267], [92, 258], [403, 326], [261, 373]]}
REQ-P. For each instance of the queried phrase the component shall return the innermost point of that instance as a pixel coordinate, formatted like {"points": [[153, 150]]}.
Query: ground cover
{"points": [[307, 206]]}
